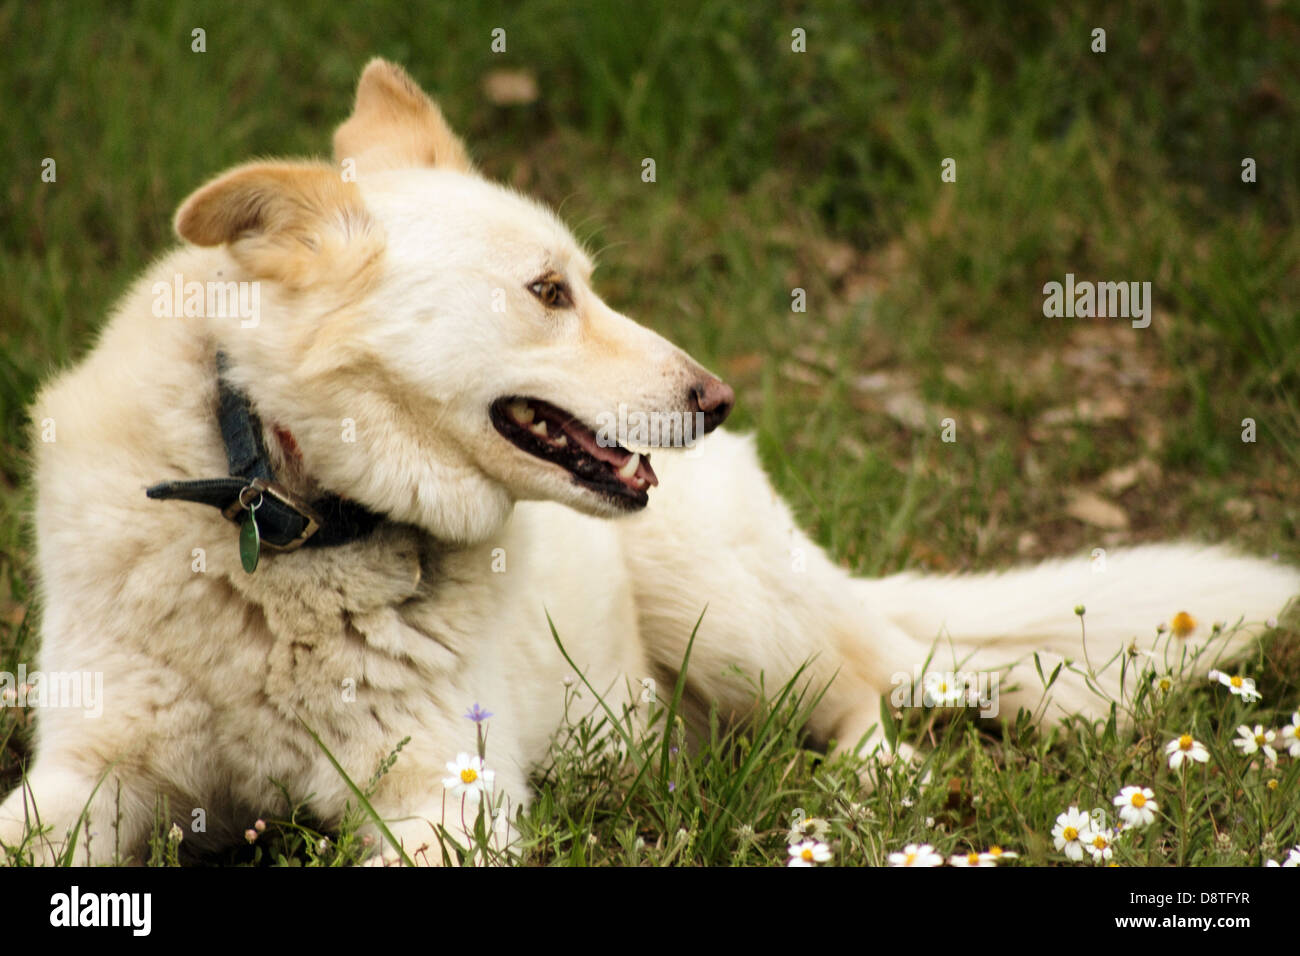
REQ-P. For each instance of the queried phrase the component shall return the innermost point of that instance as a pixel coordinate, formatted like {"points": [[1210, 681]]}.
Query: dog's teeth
{"points": [[630, 466], [560, 442], [539, 429], [520, 412]]}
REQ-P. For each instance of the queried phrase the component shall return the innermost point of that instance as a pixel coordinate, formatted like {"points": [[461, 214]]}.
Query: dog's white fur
{"points": [[377, 307]]}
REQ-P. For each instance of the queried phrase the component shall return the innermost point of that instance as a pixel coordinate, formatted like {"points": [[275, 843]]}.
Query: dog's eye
{"points": [[552, 293]]}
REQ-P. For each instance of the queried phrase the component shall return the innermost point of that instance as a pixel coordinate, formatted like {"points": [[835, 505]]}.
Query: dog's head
{"points": [[432, 340]]}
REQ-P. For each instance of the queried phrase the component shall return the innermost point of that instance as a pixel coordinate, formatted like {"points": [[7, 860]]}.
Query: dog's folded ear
{"points": [[395, 125], [298, 223]]}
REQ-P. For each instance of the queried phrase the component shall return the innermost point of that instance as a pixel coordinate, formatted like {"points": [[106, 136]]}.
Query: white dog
{"points": [[381, 384]]}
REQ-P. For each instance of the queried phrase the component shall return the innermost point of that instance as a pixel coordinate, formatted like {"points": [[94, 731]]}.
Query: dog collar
{"points": [[269, 515]]}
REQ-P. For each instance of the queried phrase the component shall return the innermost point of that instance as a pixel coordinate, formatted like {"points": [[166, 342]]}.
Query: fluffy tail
{"points": [[998, 621]]}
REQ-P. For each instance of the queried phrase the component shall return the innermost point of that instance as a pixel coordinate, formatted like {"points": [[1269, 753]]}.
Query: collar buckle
{"points": [[275, 490]]}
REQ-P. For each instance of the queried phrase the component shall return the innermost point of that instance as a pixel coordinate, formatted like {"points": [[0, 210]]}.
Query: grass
{"points": [[777, 171], [736, 799]]}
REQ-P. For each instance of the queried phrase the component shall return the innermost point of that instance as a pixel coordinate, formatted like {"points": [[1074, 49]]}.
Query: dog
{"points": [[353, 499]]}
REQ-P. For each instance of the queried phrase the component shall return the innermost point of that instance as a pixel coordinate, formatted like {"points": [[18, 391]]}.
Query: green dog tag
{"points": [[250, 542]]}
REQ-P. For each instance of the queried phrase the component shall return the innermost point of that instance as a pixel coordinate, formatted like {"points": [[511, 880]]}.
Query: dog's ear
{"points": [[395, 125], [295, 222]]}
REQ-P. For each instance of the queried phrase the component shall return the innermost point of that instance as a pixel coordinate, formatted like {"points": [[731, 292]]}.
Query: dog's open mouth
{"points": [[554, 435]]}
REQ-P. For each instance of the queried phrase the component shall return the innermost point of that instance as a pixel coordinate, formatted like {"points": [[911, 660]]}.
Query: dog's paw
{"points": [[34, 847]]}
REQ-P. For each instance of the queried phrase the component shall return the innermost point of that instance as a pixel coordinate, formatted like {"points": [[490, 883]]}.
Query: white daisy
{"points": [[997, 854], [943, 690], [1185, 748], [809, 828], [1162, 685], [972, 859], [1073, 829], [1292, 859], [1254, 741], [1100, 846], [468, 777], [809, 853], [1137, 806], [1243, 687], [1135, 651], [916, 854], [1291, 735]]}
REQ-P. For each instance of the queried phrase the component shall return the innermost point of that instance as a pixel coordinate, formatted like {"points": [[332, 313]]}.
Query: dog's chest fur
{"points": [[364, 642]]}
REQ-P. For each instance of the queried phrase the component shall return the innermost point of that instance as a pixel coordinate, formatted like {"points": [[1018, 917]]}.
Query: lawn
{"points": [[778, 171]]}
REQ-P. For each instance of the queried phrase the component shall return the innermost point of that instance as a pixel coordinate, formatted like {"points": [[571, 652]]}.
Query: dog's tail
{"points": [[1209, 602]]}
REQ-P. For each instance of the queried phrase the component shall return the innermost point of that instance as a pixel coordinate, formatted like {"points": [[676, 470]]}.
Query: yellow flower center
{"points": [[807, 854], [1236, 681], [973, 858], [1099, 842], [468, 775], [1166, 683], [1185, 742], [995, 851], [1183, 624], [1070, 834], [909, 859], [1138, 800], [1272, 785], [1259, 739]]}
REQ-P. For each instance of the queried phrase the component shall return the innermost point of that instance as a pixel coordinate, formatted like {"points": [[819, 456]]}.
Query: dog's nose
{"points": [[714, 398]]}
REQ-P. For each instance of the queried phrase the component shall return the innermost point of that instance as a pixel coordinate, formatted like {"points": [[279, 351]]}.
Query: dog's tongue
{"points": [[620, 458]]}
